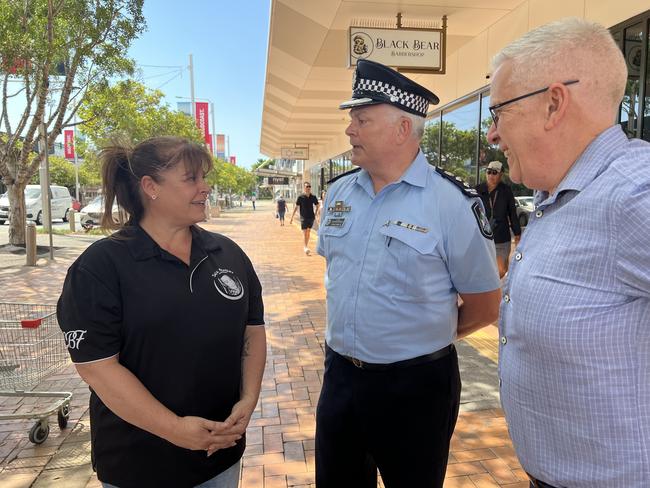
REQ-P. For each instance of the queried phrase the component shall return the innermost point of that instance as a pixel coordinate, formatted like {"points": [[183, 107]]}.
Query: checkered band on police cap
{"points": [[408, 100], [374, 83]]}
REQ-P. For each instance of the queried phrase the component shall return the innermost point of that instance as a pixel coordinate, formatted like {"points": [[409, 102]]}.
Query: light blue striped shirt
{"points": [[396, 261], [574, 359]]}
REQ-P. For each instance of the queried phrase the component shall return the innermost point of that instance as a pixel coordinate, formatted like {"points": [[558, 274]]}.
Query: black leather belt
{"points": [[535, 483], [427, 358]]}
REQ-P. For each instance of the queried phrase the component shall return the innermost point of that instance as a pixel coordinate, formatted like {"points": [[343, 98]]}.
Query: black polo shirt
{"points": [[178, 328], [306, 204]]}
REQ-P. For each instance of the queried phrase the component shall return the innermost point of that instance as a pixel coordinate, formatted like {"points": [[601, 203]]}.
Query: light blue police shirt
{"points": [[574, 360], [396, 261]]}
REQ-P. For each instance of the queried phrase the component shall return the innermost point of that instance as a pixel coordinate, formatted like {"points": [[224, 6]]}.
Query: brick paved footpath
{"points": [[280, 450]]}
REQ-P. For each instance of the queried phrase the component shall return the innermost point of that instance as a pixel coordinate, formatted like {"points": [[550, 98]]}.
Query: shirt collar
{"points": [[415, 175], [591, 163], [143, 247]]}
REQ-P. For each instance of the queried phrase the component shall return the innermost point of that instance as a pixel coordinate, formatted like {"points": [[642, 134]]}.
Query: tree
{"points": [[55, 49], [231, 179], [131, 110], [61, 173]]}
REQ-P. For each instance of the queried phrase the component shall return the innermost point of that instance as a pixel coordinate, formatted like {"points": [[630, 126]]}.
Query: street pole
{"points": [[192, 86], [44, 173], [76, 161], [214, 132]]}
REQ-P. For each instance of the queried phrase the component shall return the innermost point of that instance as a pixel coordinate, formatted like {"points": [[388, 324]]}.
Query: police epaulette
{"points": [[342, 175], [464, 187]]}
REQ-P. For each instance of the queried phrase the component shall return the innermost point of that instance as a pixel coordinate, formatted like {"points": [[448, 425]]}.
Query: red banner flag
{"points": [[208, 141], [68, 144], [201, 114], [233, 160]]}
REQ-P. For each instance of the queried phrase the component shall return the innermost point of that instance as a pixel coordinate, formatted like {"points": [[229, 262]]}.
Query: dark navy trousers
{"points": [[398, 420]]}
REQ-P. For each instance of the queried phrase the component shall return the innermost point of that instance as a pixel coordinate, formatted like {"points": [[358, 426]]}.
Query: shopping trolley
{"points": [[31, 348]]}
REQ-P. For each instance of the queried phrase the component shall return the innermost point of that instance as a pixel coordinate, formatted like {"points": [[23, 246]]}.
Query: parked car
{"points": [[60, 201], [91, 215], [524, 206]]}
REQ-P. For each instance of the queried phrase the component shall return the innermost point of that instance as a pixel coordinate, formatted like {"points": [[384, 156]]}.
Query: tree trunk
{"points": [[16, 194]]}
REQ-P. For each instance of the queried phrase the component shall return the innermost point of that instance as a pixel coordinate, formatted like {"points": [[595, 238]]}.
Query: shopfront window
{"points": [[459, 140], [631, 106], [646, 102], [430, 142]]}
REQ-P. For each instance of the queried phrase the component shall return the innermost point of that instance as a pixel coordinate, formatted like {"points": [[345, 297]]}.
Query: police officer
{"points": [[402, 241], [164, 321]]}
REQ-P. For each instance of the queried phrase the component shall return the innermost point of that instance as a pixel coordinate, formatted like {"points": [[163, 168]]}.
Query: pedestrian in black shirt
{"points": [[499, 203], [164, 321], [308, 205]]}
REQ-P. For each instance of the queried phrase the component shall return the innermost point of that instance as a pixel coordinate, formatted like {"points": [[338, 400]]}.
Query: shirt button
{"points": [[539, 214], [506, 298], [518, 256], [504, 340]]}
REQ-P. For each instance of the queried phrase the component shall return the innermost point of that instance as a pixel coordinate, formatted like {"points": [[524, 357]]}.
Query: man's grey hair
{"points": [[417, 122], [570, 48]]}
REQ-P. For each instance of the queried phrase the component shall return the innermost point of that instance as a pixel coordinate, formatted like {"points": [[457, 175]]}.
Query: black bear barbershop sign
{"points": [[407, 49]]}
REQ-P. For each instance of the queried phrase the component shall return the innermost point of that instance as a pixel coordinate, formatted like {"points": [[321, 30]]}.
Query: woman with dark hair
{"points": [[164, 321]]}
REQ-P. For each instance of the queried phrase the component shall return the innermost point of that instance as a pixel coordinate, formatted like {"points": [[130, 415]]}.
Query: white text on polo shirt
{"points": [[73, 338]]}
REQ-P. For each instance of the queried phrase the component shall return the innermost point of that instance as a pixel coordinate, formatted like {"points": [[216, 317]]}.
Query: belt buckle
{"points": [[357, 362]]}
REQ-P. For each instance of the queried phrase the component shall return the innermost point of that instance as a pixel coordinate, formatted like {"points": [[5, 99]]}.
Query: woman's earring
{"points": [[153, 197]]}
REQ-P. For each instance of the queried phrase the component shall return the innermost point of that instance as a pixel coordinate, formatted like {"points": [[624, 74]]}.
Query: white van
{"points": [[59, 196]]}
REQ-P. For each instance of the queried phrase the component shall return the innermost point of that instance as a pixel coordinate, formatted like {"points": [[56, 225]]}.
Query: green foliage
{"points": [[262, 163], [129, 109], [229, 178], [51, 50], [61, 173]]}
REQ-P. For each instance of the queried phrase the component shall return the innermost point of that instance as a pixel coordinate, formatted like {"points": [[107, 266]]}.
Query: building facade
{"points": [[308, 76]]}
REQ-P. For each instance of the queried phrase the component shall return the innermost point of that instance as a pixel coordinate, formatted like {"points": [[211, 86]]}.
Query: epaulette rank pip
{"points": [[464, 187]]}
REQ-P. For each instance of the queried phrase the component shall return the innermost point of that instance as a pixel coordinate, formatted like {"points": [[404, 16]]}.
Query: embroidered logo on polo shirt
{"points": [[73, 338], [228, 284]]}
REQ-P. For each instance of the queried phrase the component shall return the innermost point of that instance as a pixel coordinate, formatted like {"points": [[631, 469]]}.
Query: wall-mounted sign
{"points": [[406, 49], [278, 180], [294, 153]]}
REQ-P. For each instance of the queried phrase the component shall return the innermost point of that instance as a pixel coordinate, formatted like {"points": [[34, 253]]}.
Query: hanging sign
{"points": [[294, 153], [406, 49]]}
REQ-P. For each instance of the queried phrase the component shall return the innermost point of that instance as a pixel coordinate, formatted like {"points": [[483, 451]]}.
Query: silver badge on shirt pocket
{"points": [[228, 284]]}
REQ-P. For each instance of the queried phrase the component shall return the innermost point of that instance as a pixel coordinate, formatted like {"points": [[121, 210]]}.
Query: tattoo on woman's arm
{"points": [[246, 350]]}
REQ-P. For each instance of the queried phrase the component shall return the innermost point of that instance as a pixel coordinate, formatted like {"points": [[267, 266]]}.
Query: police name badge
{"points": [[406, 225], [335, 222]]}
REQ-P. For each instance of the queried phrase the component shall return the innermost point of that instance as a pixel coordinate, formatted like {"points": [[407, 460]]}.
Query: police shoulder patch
{"points": [[482, 220], [464, 187], [355, 170]]}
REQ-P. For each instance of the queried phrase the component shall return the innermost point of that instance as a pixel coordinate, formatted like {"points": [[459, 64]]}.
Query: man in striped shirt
{"points": [[574, 363]]}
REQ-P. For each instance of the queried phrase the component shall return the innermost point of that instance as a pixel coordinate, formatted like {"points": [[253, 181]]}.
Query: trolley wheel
{"points": [[63, 415], [39, 432]]}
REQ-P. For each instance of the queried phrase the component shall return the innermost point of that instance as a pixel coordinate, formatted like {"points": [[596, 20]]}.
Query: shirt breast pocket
{"points": [[408, 263], [337, 254]]}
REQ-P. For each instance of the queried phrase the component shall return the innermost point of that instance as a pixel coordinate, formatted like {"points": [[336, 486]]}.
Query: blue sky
{"points": [[228, 41]]}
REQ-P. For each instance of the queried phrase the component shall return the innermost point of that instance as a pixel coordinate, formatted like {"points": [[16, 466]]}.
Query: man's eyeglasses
{"points": [[492, 171], [494, 109]]}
